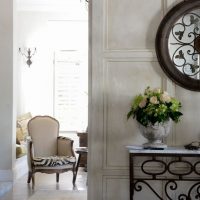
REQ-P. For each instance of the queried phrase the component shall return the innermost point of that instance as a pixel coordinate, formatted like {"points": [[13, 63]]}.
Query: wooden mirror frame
{"points": [[161, 43]]}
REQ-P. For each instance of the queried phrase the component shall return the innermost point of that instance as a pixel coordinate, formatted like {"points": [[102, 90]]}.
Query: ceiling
{"points": [[48, 5]]}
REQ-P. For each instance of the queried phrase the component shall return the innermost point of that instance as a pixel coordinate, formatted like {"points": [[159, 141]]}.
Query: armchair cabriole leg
{"points": [[74, 175], [33, 180], [73, 181], [29, 177], [57, 177]]}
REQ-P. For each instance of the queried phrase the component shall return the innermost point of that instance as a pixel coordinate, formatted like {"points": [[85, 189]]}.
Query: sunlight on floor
{"points": [[47, 188]]}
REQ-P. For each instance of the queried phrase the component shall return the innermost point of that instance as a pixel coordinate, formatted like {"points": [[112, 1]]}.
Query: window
{"points": [[71, 90]]}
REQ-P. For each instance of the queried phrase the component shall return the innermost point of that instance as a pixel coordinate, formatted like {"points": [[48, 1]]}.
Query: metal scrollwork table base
{"points": [[172, 166]]}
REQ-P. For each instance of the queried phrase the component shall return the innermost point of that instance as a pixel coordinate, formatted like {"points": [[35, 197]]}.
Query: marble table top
{"points": [[138, 149]]}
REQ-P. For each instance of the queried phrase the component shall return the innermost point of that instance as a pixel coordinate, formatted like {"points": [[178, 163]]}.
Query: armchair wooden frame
{"points": [[49, 170]]}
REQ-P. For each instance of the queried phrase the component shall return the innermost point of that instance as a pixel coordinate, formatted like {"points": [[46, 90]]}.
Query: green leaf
{"points": [[130, 113]]}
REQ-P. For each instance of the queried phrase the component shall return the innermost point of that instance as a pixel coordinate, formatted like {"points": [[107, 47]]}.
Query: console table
{"points": [[165, 163], [81, 151], [83, 140]]}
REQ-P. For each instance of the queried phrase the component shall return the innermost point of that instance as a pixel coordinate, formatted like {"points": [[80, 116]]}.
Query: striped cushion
{"points": [[53, 161]]}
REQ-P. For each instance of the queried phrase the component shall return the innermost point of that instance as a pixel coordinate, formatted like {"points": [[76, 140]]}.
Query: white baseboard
{"points": [[19, 170], [6, 176], [21, 167]]}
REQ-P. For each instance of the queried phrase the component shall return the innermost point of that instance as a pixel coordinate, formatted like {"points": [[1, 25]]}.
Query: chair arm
{"points": [[65, 146], [30, 154]]}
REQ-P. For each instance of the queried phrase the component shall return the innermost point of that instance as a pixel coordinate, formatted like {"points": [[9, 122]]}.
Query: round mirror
{"points": [[178, 44]]}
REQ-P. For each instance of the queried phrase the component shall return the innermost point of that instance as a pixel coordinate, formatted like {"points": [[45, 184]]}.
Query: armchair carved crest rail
{"points": [[47, 151]]}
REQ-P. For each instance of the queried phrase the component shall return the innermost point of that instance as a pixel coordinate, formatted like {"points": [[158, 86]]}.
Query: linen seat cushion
{"points": [[53, 161]]}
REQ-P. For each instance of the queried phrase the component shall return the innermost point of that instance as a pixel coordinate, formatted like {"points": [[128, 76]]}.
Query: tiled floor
{"points": [[47, 188]]}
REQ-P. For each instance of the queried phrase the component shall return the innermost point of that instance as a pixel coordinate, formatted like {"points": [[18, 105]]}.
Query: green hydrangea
{"points": [[154, 106]]}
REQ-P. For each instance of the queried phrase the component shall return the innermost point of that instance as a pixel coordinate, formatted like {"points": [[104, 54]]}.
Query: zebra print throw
{"points": [[54, 161]]}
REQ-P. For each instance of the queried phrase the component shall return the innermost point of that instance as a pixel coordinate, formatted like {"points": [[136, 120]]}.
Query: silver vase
{"points": [[155, 134]]}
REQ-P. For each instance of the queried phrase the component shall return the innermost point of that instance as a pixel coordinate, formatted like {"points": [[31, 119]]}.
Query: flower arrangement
{"points": [[154, 106]]}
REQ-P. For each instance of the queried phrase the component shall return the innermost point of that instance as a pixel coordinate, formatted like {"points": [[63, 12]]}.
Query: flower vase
{"points": [[155, 134]]}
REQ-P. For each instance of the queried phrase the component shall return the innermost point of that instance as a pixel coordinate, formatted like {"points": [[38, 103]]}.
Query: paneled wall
{"points": [[123, 63]]}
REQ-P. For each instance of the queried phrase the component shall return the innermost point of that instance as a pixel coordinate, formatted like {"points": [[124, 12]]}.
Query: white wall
{"points": [[48, 31], [35, 83], [6, 81], [6, 94], [123, 64]]}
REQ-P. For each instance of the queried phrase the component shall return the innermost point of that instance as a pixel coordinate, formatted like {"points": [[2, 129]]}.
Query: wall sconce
{"points": [[28, 54]]}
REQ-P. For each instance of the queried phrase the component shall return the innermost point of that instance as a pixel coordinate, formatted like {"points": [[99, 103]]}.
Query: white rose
{"points": [[147, 91], [166, 93], [157, 90], [154, 100], [165, 97], [142, 104]]}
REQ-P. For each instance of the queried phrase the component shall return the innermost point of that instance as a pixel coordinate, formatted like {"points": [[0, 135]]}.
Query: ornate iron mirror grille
{"points": [[178, 44]]}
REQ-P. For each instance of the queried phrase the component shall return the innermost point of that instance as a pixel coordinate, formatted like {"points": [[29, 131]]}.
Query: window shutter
{"points": [[70, 91]]}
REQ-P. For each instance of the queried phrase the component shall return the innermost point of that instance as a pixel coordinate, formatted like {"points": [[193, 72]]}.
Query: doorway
{"points": [[58, 31]]}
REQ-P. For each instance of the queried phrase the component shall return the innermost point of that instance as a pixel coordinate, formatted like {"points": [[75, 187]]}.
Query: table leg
{"points": [[77, 165], [131, 176]]}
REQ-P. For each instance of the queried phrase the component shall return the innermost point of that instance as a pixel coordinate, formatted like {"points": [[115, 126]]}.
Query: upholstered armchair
{"points": [[46, 151]]}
